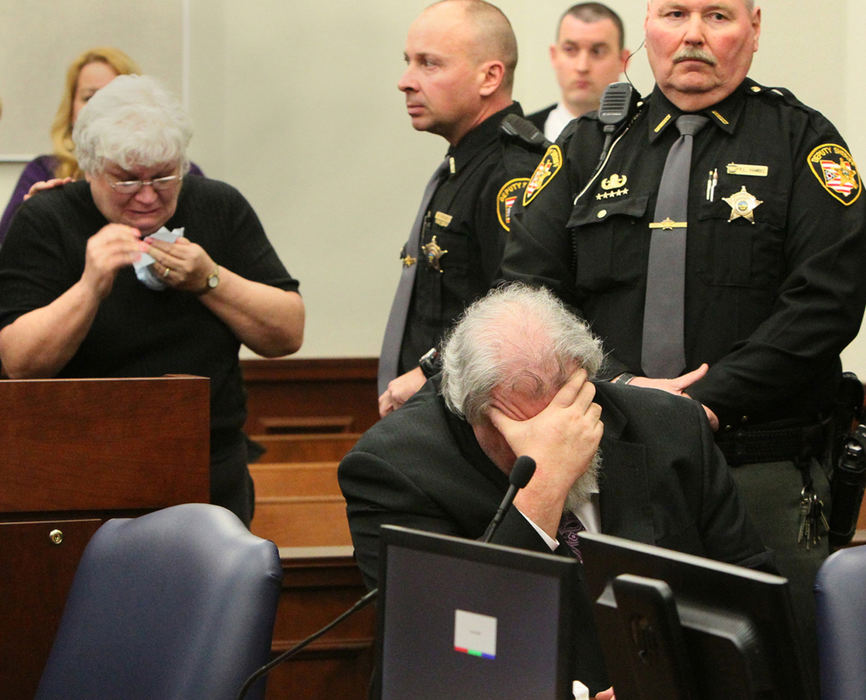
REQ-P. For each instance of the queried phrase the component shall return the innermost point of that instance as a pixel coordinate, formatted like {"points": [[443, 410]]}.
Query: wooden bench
{"points": [[317, 447], [295, 479], [302, 520], [299, 504], [291, 425]]}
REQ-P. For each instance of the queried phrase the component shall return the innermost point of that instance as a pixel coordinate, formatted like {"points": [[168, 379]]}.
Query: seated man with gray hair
{"points": [[517, 380]]}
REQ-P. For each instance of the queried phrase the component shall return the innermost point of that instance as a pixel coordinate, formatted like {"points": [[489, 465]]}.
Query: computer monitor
{"points": [[463, 619], [673, 625]]}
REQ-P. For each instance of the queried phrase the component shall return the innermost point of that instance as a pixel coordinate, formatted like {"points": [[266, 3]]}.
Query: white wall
{"points": [[854, 106], [296, 104]]}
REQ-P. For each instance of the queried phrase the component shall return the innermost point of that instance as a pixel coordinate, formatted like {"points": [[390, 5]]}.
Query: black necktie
{"points": [[389, 357], [663, 349]]}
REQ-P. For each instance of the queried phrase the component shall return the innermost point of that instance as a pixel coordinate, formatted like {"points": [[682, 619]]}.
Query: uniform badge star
{"points": [[742, 204], [434, 253]]}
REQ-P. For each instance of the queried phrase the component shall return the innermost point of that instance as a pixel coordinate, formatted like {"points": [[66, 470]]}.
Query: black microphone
{"points": [[256, 675], [523, 129], [521, 473], [616, 103]]}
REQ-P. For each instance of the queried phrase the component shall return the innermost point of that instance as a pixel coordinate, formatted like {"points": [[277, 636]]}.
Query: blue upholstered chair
{"points": [[179, 603], [840, 599]]}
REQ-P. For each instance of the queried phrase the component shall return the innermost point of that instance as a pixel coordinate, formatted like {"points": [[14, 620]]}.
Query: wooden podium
{"points": [[73, 453]]}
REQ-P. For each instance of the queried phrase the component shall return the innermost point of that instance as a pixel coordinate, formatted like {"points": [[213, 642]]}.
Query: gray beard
{"points": [[582, 489]]}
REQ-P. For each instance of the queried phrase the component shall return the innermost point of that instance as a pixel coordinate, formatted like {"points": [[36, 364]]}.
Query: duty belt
{"points": [[774, 443]]}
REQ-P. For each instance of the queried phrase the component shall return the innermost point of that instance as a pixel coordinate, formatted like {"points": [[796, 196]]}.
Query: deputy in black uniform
{"points": [[774, 259], [460, 68]]}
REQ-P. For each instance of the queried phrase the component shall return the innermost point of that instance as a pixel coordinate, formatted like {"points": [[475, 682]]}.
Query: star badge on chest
{"points": [[433, 253], [743, 205]]}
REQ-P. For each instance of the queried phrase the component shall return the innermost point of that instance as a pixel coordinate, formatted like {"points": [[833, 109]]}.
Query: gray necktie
{"points": [[663, 350], [389, 357]]}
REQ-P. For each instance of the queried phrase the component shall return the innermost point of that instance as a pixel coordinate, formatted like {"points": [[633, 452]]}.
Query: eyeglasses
{"points": [[160, 184]]}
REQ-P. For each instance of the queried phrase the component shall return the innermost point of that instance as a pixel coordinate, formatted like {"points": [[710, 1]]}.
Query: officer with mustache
{"points": [[715, 241]]}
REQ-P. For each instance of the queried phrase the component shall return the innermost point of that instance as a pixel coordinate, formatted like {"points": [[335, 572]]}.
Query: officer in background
{"points": [[588, 55], [460, 56], [741, 292]]}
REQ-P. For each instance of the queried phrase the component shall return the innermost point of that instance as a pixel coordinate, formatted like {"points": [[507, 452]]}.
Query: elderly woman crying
{"points": [[137, 271]]}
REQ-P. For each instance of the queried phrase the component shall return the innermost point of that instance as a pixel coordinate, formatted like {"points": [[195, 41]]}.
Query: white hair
{"points": [[132, 121], [517, 337]]}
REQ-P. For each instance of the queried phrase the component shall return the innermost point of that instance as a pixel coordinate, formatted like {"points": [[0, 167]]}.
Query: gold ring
{"points": [[167, 271]]}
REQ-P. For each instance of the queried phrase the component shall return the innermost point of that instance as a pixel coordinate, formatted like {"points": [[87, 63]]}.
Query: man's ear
{"points": [[624, 56], [493, 73], [756, 25]]}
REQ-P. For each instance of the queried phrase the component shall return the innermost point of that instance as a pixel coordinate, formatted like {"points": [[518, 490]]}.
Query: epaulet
{"points": [[566, 134], [754, 88], [524, 132]]}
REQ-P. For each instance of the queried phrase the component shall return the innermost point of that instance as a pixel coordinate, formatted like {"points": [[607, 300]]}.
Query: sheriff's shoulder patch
{"points": [[507, 198], [834, 167], [544, 173]]}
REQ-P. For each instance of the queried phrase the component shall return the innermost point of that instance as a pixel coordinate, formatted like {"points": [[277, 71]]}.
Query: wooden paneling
{"points": [[296, 479], [299, 504], [276, 425], [308, 414], [302, 520], [76, 452], [37, 576], [320, 583], [311, 387], [306, 448], [103, 444]]}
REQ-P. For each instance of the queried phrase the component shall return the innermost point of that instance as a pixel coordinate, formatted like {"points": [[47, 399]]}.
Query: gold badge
{"points": [[442, 219], [743, 204], [834, 167], [614, 182], [744, 169], [668, 224], [614, 186], [544, 173], [507, 198], [434, 253], [408, 261]]}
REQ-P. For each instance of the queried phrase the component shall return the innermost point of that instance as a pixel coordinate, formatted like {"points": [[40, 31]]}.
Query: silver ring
{"points": [[166, 273]]}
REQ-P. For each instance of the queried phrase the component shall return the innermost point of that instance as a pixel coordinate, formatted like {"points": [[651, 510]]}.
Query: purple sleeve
{"points": [[42, 168]]}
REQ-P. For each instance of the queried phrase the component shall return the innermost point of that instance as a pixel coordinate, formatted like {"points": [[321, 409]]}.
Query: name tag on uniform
{"points": [[743, 169], [442, 219]]}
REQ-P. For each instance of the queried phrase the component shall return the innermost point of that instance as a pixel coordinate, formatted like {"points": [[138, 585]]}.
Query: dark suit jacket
{"points": [[538, 118], [662, 482]]}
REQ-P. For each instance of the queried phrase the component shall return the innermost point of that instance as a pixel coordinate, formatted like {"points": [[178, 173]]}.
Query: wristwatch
{"points": [[624, 378], [213, 280], [430, 363]]}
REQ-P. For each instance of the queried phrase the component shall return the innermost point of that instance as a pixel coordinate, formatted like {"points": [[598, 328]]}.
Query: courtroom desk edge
{"points": [[313, 554], [263, 369], [305, 566]]}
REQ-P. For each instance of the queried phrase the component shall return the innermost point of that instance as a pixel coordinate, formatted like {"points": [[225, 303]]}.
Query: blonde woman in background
{"points": [[89, 72]]}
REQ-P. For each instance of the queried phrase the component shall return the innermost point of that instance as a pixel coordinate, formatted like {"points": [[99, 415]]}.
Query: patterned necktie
{"points": [[389, 357], [569, 531], [663, 349]]}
